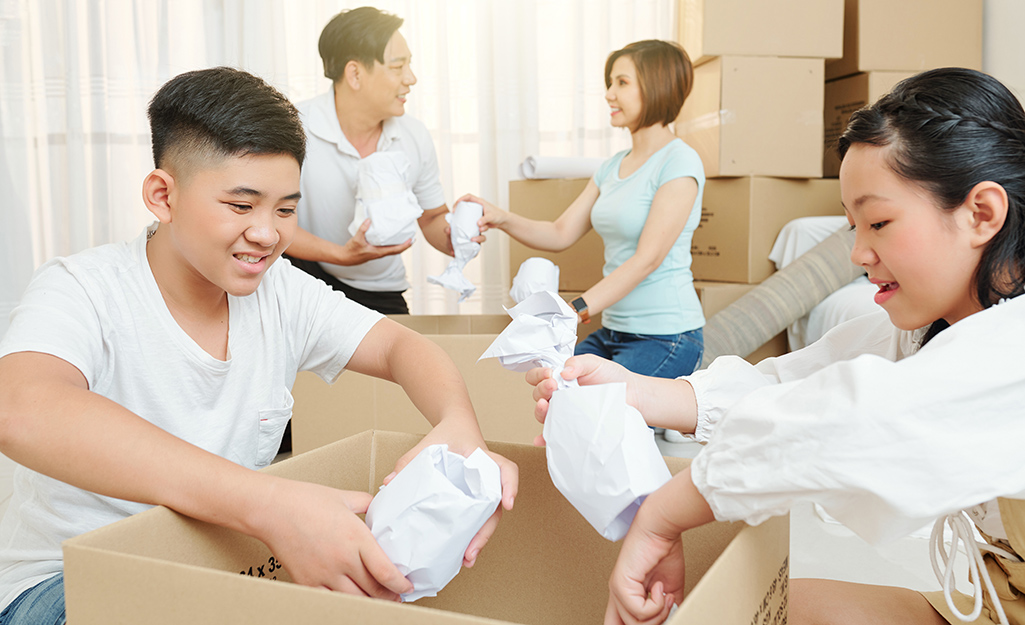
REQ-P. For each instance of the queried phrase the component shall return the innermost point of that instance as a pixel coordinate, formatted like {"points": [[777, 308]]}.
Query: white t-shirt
{"points": [[885, 438], [328, 186], [101, 311]]}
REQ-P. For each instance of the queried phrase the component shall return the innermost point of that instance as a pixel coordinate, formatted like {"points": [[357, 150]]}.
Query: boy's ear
{"points": [[156, 193], [987, 203]]}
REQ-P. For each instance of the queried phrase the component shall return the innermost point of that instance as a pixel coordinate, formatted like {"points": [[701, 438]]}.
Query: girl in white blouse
{"points": [[894, 419]]}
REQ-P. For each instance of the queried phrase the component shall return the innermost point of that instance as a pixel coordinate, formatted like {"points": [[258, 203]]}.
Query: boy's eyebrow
{"points": [[255, 193]]}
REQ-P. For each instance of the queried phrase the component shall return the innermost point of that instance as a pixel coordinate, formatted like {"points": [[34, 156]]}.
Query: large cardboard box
{"points": [[716, 296], [579, 266], [910, 35], [741, 218], [844, 96], [756, 116], [544, 565], [802, 28]]}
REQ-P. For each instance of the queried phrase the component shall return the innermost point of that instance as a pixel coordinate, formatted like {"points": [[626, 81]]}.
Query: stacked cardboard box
{"points": [[886, 42]]}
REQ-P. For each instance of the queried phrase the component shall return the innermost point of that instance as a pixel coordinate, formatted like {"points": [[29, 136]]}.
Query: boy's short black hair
{"points": [[218, 113], [356, 35]]}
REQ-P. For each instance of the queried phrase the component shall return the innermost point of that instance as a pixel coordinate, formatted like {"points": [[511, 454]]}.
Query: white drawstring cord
{"points": [[961, 530]]}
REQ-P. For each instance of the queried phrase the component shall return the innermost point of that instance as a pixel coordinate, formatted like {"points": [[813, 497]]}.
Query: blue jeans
{"points": [[43, 604], [657, 355]]}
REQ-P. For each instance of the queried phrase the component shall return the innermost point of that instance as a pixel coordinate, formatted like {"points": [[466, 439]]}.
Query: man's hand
{"points": [[358, 251]]}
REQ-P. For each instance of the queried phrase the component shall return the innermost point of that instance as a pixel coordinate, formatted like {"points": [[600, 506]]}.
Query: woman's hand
{"points": [[494, 217]]}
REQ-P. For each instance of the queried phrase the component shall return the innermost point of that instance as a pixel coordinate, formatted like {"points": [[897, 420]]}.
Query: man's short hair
{"points": [[218, 113], [356, 35]]}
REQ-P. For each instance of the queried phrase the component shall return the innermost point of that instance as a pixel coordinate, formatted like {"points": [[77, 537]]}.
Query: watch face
{"points": [[579, 304]]}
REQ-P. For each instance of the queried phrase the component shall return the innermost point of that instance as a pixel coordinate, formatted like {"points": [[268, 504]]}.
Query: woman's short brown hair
{"points": [[665, 76]]}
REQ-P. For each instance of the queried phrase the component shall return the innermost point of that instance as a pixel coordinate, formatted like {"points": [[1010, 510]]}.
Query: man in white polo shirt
{"points": [[369, 63]]}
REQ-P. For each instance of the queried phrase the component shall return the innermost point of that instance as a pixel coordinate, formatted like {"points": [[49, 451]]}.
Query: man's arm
{"points": [[436, 230], [52, 423]]}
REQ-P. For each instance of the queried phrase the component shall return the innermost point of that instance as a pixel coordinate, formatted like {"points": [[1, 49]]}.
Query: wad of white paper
{"points": [[601, 454], [542, 333], [463, 222], [426, 516], [385, 197], [535, 274]]}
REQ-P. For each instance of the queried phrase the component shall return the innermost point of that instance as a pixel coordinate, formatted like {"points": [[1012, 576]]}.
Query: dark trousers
{"points": [[384, 302]]}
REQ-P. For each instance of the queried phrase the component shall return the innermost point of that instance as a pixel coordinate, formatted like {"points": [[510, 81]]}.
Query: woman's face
{"points": [[387, 84], [624, 94], [920, 256]]}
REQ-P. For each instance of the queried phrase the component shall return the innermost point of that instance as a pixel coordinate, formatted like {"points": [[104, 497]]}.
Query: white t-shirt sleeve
{"points": [[885, 447], [57, 317], [326, 326], [427, 187]]}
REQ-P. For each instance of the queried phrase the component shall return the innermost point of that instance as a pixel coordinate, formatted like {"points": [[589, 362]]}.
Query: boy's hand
{"points": [[462, 441], [586, 369], [358, 250], [314, 531]]}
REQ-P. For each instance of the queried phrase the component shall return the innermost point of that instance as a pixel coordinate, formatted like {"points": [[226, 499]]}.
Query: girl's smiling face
{"points": [[624, 94], [922, 258]]}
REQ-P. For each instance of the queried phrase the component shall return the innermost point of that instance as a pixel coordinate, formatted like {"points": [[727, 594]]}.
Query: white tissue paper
{"points": [[535, 274], [601, 454], [463, 221], [425, 518], [385, 197]]}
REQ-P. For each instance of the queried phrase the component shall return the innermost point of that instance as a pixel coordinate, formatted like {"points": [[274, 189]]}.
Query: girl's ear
{"points": [[987, 203], [156, 193]]}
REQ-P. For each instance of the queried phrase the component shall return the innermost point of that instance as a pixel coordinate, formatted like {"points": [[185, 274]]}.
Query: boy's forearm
{"points": [[76, 436], [665, 403]]}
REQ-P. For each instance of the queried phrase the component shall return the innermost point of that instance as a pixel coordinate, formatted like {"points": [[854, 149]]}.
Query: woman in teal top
{"points": [[645, 203]]}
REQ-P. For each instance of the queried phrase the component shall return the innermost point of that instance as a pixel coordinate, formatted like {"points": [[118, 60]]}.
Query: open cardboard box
{"points": [[544, 565]]}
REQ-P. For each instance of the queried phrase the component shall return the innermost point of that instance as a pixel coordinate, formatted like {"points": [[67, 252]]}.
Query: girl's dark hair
{"points": [[665, 75], [948, 130], [356, 35]]}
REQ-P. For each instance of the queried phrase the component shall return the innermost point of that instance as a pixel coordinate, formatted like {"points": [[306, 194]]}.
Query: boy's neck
{"points": [[197, 306], [361, 127]]}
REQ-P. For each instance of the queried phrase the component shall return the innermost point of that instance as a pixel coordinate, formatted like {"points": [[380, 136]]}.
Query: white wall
{"points": [[1003, 44]]}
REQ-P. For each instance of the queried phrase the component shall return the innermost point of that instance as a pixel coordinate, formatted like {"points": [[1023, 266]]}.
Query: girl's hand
{"points": [[493, 217], [649, 573], [585, 369]]}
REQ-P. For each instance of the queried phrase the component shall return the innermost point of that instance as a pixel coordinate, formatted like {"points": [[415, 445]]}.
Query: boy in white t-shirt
{"points": [[159, 371]]}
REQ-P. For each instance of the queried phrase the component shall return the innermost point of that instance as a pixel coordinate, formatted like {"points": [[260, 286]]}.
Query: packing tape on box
{"points": [[706, 122]]}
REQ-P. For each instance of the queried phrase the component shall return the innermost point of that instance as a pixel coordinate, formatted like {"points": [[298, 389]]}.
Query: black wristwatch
{"points": [[581, 307]]}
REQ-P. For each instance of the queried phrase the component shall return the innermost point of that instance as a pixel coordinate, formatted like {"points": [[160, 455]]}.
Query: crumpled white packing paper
{"points": [[425, 518], [463, 221], [601, 454], [534, 275], [385, 197]]}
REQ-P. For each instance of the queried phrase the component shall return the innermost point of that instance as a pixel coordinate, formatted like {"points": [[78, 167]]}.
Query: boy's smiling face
{"points": [[223, 225]]}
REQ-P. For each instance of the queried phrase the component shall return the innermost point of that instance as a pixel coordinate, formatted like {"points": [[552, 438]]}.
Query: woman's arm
{"points": [[549, 236], [670, 209]]}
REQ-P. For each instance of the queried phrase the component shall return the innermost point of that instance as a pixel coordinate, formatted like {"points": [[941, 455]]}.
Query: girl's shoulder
{"points": [[679, 159]]}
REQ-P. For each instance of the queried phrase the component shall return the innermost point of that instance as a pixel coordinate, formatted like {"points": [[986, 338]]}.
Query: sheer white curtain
{"points": [[498, 80]]}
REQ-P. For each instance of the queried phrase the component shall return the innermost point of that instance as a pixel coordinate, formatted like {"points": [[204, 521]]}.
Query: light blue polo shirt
{"points": [[664, 302]]}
